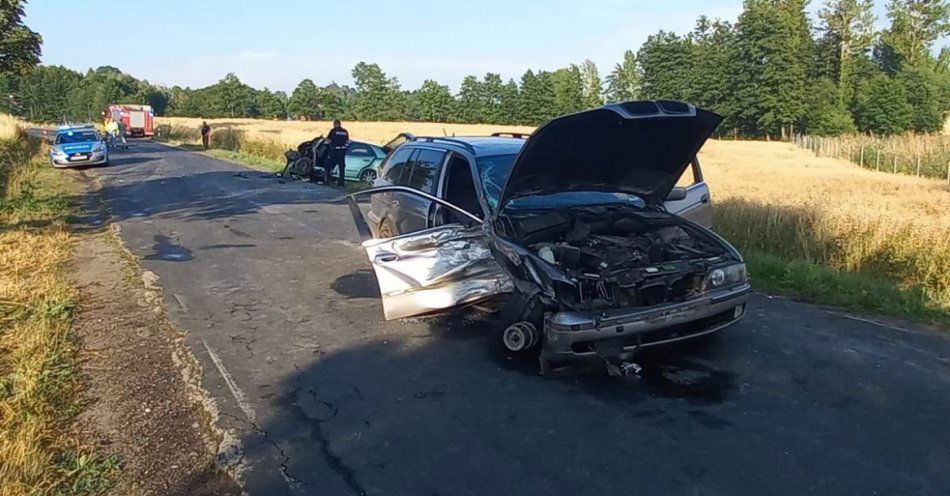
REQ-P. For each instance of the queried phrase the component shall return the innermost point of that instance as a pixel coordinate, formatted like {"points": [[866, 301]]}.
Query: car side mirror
{"points": [[676, 194]]}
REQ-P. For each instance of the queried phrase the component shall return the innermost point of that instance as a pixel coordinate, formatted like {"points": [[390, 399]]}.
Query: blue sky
{"points": [[276, 43]]}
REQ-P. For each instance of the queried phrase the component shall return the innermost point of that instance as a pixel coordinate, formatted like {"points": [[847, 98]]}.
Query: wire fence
{"points": [[919, 155]]}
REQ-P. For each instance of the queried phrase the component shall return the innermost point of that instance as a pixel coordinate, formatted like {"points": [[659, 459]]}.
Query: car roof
{"points": [[480, 146]]}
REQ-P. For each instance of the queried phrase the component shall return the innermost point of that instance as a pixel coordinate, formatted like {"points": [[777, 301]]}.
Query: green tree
{"points": [[884, 109], [593, 90], [848, 28], [568, 90], [471, 104], [927, 93], [19, 45], [915, 26], [433, 102], [305, 101], [666, 67], [9, 94], [378, 97], [768, 66], [824, 113], [335, 101], [536, 102], [711, 43], [623, 83], [493, 92], [271, 104], [510, 98], [232, 98], [44, 93]]}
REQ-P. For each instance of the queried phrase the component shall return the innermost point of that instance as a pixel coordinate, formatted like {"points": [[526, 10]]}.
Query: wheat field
{"points": [[292, 133]]}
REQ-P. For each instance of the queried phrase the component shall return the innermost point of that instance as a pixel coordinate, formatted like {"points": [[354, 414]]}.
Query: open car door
{"points": [[398, 140], [691, 200], [432, 270]]}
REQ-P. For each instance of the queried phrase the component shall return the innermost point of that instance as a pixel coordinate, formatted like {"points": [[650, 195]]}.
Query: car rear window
{"points": [[425, 168], [396, 165], [360, 150]]}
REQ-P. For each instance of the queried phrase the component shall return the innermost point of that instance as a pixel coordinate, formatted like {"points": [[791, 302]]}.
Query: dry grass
{"points": [[778, 199], [37, 379]]}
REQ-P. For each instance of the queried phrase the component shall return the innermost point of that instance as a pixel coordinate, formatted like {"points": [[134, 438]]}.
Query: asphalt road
{"points": [[281, 309]]}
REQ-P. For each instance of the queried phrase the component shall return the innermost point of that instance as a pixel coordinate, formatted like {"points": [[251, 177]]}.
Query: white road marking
{"points": [[869, 321], [235, 390]]}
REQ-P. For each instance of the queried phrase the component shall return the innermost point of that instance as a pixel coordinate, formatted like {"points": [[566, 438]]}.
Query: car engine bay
{"points": [[619, 257]]}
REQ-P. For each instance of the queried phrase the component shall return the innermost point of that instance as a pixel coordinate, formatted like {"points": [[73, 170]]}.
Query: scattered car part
{"points": [[521, 336]]}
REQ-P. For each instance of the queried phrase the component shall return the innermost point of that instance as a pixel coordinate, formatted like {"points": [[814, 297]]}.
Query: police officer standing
{"points": [[339, 141]]}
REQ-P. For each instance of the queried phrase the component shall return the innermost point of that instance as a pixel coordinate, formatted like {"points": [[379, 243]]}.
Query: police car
{"points": [[78, 145]]}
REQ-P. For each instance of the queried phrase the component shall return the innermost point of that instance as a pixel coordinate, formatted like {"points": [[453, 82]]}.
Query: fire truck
{"points": [[138, 119]]}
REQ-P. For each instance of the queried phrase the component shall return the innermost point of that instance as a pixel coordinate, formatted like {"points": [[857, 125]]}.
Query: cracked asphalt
{"points": [[280, 307]]}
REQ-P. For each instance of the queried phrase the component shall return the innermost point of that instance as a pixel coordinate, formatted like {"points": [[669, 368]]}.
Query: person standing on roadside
{"points": [[112, 129], [122, 128], [339, 141], [205, 134]]}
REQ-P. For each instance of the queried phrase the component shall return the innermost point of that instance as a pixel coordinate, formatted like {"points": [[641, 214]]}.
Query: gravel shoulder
{"points": [[142, 400]]}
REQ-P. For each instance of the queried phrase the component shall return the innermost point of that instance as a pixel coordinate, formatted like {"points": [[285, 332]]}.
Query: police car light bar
{"points": [[67, 127]]}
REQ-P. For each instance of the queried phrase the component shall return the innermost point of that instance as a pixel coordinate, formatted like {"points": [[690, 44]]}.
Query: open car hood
{"points": [[640, 147]]}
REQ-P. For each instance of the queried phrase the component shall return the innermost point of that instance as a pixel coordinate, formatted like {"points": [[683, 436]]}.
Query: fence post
{"points": [[895, 164], [918, 165], [948, 172], [877, 165], [861, 163]]}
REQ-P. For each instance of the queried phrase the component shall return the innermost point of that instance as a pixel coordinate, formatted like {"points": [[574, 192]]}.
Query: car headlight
{"points": [[98, 147], [57, 151], [727, 275]]}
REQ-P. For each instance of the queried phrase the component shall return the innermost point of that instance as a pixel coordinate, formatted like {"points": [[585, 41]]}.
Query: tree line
{"points": [[772, 72]]}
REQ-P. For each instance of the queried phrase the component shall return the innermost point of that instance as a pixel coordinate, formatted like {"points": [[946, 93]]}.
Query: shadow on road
{"points": [[205, 195], [424, 414]]}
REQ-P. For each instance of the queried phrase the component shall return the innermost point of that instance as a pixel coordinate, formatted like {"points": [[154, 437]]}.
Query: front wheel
{"points": [[368, 176], [301, 167]]}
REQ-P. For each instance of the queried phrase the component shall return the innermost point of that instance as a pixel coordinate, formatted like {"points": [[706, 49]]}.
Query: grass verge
{"points": [[850, 290], [39, 381]]}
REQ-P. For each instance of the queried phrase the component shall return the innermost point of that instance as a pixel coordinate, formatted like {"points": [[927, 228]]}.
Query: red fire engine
{"points": [[137, 118]]}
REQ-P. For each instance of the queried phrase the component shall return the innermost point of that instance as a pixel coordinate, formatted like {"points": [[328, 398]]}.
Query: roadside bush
{"points": [[227, 138], [18, 148], [175, 132], [269, 149]]}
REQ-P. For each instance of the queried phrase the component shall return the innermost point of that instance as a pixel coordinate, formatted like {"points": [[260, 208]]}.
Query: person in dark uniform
{"points": [[339, 140], [205, 133]]}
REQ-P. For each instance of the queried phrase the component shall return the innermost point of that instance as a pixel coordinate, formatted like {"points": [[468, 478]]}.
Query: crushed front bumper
{"points": [[570, 336]]}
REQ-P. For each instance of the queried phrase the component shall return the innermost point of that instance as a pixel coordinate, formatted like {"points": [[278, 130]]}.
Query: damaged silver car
{"points": [[581, 224]]}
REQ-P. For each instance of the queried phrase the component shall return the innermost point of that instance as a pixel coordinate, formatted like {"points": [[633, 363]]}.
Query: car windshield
{"points": [[493, 171], [76, 137]]}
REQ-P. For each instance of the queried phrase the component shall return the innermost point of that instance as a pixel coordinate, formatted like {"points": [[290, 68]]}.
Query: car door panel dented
{"points": [[435, 269]]}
